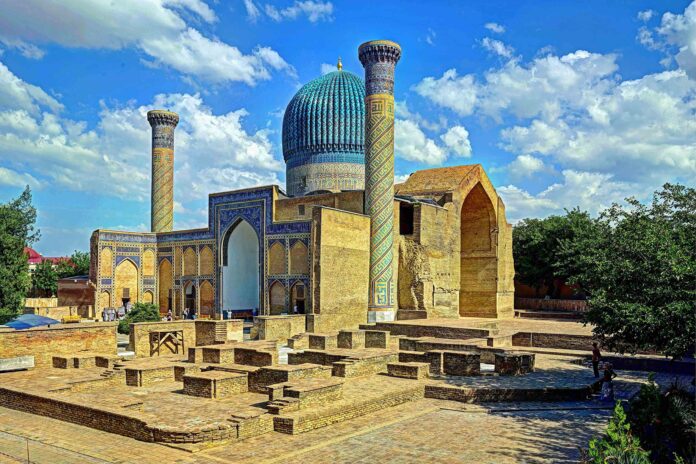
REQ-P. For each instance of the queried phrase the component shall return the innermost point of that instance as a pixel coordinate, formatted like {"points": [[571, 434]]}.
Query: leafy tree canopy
{"points": [[45, 279], [17, 230], [140, 312], [77, 265]]}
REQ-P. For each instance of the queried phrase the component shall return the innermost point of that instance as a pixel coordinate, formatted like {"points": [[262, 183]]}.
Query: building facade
{"points": [[265, 251]]}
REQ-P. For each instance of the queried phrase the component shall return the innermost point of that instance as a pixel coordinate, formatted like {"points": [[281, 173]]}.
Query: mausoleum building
{"points": [[341, 243]]}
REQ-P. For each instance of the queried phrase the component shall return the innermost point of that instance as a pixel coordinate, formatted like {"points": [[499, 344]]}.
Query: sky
{"points": [[563, 103]]}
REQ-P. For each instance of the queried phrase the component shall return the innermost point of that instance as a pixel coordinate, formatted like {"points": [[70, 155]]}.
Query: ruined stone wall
{"points": [[340, 265], [196, 333], [45, 342], [426, 261], [289, 209], [279, 327]]}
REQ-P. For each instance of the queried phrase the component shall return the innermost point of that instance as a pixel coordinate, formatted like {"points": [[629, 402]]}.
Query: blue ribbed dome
{"points": [[325, 118]]}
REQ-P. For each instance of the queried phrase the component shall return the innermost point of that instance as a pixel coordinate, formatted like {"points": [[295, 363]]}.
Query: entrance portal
{"points": [[240, 268]]}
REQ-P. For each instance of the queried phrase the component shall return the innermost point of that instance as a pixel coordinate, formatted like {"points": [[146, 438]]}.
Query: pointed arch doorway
{"points": [[240, 268]]}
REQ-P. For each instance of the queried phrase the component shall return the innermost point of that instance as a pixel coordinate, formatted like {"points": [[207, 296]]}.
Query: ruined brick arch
{"points": [[477, 222], [478, 262], [207, 261], [299, 260], [165, 284], [126, 277], [207, 297], [106, 258], [190, 262], [149, 263], [276, 259], [276, 298]]}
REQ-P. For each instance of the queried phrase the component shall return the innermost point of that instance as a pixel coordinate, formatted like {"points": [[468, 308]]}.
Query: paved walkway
{"points": [[415, 432]]}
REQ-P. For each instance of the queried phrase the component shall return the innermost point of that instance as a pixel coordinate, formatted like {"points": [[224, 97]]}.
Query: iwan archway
{"points": [[478, 265], [240, 268]]}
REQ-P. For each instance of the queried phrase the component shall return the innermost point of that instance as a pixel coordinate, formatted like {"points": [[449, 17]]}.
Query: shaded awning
{"points": [[27, 321]]}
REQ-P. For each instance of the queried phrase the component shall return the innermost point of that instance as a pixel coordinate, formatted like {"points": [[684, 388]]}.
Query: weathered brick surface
{"points": [[218, 354], [461, 363], [434, 358], [482, 395], [287, 373], [351, 339], [359, 367], [377, 339], [279, 327], [409, 370], [182, 369], [323, 341], [553, 340], [514, 363], [143, 376], [254, 357], [215, 384], [65, 339], [413, 356]]}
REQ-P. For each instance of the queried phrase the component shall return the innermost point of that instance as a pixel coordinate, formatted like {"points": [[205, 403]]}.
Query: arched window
{"points": [[149, 263], [190, 265], [105, 262], [277, 298], [207, 261]]}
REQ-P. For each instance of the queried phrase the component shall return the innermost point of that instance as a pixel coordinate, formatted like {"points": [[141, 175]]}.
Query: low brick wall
{"points": [[323, 341], [482, 395], [377, 339], [253, 357], [215, 384], [364, 366], [552, 340], [551, 305], [408, 370], [279, 327], [65, 339], [219, 355], [411, 330]]}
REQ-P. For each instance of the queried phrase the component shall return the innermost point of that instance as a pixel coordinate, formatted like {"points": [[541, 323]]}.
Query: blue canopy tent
{"points": [[27, 321]]}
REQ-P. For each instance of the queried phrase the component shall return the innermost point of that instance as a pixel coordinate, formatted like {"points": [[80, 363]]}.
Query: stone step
{"points": [[305, 420]]}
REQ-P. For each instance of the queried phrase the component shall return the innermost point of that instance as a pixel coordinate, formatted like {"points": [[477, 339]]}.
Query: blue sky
{"points": [[563, 103]]}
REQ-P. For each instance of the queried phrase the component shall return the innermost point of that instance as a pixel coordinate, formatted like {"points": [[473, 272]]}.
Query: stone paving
{"points": [[424, 431]]}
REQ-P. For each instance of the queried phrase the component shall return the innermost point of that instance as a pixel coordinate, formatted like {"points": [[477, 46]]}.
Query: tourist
{"points": [[607, 383], [596, 356], [186, 313], [121, 313], [169, 315], [294, 309], [105, 315]]}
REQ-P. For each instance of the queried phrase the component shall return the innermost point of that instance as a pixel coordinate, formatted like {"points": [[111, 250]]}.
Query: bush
{"points": [[618, 445], [141, 312], [664, 422]]}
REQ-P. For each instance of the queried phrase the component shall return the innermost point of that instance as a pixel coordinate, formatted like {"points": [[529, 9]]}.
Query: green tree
{"points": [[618, 445], [45, 279], [536, 248], [140, 312], [639, 271], [17, 230], [77, 265]]}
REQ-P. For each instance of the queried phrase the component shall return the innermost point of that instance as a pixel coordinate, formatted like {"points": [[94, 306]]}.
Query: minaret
{"points": [[379, 58], [162, 201]]}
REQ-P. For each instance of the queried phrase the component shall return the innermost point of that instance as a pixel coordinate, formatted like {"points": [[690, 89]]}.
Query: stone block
{"points": [[221, 354], [413, 356], [377, 339], [147, 375], [351, 339], [323, 341], [81, 361], [461, 363], [215, 384], [180, 370], [16, 363], [63, 362], [195, 355], [434, 358], [409, 370], [254, 357], [514, 363]]}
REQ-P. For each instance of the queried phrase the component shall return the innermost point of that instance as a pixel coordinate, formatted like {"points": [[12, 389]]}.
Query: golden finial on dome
{"points": [[339, 65]]}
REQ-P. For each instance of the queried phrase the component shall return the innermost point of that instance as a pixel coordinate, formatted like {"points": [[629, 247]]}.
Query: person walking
{"points": [[608, 383], [596, 356]]}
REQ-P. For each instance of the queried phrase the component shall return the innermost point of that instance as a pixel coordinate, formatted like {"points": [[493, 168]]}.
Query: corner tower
{"points": [[379, 58], [163, 124]]}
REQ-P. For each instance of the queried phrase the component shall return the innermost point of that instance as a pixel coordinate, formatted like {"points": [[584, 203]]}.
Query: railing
{"points": [[551, 305]]}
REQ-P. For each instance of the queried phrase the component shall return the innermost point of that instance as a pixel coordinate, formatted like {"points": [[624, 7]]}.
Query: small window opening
{"points": [[405, 218], [300, 210]]}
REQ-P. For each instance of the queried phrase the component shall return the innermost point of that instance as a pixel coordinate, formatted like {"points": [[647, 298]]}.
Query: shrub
{"points": [[141, 312], [618, 445]]}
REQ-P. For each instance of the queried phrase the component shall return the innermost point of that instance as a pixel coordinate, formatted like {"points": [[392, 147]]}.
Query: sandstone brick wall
{"points": [[340, 241], [542, 340], [210, 332], [65, 339]]}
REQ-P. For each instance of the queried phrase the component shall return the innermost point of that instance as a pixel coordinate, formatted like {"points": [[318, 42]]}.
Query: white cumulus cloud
{"points": [[457, 139], [411, 143], [314, 11], [495, 27], [155, 27]]}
